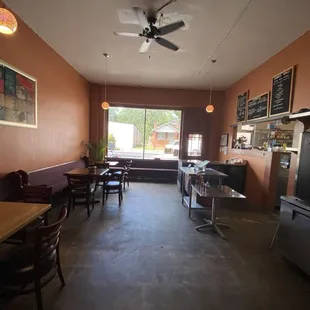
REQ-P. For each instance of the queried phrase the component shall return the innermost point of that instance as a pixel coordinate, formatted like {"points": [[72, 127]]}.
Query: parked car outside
{"points": [[172, 148], [111, 154]]}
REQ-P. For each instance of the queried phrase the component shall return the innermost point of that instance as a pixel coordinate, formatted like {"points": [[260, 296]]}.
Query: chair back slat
{"points": [[48, 237]]}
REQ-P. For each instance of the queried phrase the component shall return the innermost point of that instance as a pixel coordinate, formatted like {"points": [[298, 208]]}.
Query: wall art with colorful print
{"points": [[18, 97]]}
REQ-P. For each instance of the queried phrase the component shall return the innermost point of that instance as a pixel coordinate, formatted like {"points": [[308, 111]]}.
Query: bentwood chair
{"points": [[114, 185], [102, 181], [126, 173], [126, 170], [80, 192], [28, 268]]}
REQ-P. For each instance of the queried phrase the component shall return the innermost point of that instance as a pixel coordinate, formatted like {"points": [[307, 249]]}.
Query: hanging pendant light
{"points": [[105, 105], [210, 107], [8, 22]]}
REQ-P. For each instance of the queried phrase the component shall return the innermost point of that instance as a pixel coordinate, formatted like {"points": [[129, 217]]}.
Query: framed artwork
{"points": [[18, 97], [224, 139]]}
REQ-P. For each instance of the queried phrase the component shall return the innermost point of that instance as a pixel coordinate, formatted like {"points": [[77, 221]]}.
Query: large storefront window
{"points": [[144, 133]]}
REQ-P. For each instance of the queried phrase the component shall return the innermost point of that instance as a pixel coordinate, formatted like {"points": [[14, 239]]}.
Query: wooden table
{"points": [[16, 215], [96, 173], [113, 163]]}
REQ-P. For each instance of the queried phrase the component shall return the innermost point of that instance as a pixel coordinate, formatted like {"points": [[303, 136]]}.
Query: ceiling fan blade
{"points": [[127, 34], [171, 27], [165, 43], [145, 46], [141, 17]]}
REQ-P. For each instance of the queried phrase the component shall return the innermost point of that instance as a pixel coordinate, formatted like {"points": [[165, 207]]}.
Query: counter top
{"points": [[297, 202], [214, 163], [223, 163], [207, 172]]}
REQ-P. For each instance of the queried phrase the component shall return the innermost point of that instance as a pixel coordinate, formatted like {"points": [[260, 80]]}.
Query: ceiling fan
{"points": [[150, 31]]}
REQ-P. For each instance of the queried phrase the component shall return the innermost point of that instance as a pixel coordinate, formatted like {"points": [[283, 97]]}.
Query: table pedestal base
{"points": [[213, 226]]}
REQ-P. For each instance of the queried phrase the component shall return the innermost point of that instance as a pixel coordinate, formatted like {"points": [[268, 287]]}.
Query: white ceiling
{"points": [[81, 30]]}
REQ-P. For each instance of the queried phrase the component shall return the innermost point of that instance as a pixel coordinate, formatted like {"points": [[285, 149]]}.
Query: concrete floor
{"points": [[147, 255]]}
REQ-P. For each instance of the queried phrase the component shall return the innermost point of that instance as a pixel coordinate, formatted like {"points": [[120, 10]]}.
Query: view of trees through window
{"points": [[144, 133]]}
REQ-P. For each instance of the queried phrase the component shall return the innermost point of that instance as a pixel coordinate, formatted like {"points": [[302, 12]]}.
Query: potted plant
{"points": [[96, 151]]}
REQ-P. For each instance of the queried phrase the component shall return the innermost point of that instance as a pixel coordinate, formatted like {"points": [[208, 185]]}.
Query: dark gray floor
{"points": [[147, 255]]}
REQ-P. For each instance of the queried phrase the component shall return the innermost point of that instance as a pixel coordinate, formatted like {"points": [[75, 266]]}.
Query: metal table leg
{"points": [[212, 224], [190, 200], [274, 237], [183, 186]]}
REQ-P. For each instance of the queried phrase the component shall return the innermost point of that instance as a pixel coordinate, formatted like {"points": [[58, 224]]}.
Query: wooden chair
{"points": [[24, 176], [38, 194], [115, 186], [80, 188], [126, 170], [28, 268]]}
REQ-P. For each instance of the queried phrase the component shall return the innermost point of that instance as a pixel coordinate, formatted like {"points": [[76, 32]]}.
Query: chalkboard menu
{"points": [[258, 107], [281, 94], [241, 107]]}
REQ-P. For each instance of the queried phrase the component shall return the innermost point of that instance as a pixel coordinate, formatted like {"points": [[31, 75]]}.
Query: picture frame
{"points": [[224, 139], [18, 97], [257, 99], [241, 107], [291, 71]]}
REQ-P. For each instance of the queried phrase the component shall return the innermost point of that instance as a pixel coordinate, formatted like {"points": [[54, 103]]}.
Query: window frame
{"points": [[200, 144], [136, 106]]}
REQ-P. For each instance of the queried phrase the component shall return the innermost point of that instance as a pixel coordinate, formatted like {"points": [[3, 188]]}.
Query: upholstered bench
{"points": [[51, 176]]}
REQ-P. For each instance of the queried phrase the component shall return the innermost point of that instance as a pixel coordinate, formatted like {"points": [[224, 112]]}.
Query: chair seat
{"points": [[113, 184], [81, 193], [19, 266]]}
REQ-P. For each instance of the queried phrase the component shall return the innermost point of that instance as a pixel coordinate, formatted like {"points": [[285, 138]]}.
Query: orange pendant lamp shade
{"points": [[210, 108], [8, 22], [105, 105]]}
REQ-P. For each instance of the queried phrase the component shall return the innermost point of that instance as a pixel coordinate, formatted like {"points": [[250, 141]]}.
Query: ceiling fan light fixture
{"points": [[150, 31], [8, 22]]}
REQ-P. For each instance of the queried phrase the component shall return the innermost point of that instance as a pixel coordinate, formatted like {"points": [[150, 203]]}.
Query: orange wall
{"points": [[259, 81], [193, 101], [63, 106]]}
